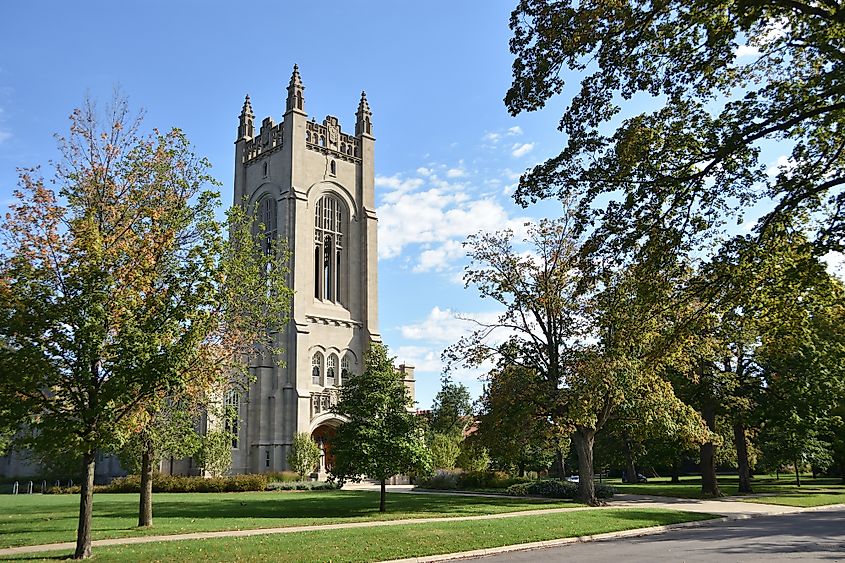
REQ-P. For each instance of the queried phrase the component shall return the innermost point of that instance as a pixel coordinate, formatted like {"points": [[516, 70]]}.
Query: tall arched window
{"points": [[344, 369], [267, 218], [232, 405], [316, 368], [329, 270], [331, 370]]}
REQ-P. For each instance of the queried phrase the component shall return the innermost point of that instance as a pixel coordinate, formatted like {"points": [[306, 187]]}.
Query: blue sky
{"points": [[447, 153], [435, 73]]}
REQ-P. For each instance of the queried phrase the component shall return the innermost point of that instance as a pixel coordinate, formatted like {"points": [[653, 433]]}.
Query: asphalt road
{"points": [[806, 536]]}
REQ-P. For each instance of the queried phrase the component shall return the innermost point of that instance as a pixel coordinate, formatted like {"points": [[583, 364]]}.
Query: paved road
{"points": [[807, 536]]}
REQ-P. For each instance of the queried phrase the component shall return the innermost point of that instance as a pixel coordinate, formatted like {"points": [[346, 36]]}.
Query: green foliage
{"points": [[473, 456], [168, 431], [184, 484], [120, 288], [444, 449], [554, 488], [469, 480], [304, 486], [694, 161], [214, 455], [452, 408], [381, 436], [304, 454]]}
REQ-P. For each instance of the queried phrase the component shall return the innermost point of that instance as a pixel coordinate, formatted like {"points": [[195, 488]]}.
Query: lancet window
{"points": [[329, 262]]}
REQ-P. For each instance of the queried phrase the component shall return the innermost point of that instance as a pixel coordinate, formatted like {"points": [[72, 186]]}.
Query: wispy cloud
{"points": [[519, 150]]}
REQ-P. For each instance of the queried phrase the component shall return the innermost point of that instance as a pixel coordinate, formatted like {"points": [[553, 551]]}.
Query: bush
{"points": [[184, 484], [488, 480], [441, 480], [555, 488], [303, 486], [282, 477]]}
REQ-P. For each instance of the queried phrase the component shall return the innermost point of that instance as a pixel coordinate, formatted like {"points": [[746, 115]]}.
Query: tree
{"points": [[304, 454], [121, 288], [515, 429], [591, 341], [445, 449], [694, 161], [381, 436], [163, 428], [452, 408], [214, 455]]}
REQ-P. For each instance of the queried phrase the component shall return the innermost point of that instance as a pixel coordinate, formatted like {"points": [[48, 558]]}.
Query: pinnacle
{"points": [[295, 79], [247, 109]]}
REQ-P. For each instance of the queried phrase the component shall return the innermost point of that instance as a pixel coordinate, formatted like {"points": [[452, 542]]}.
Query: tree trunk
{"points": [[676, 471], [742, 458], [557, 465], [631, 471], [381, 506], [522, 469], [584, 439], [797, 474], [709, 483], [86, 505], [145, 508]]}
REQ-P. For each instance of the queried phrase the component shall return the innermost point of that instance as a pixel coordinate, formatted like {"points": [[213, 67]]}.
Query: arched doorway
{"points": [[324, 435]]}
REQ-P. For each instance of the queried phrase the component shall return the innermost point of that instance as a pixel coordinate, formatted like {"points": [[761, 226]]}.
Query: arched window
{"points": [[232, 405], [333, 168], [331, 370], [267, 218], [266, 169], [316, 368], [344, 369], [329, 263]]}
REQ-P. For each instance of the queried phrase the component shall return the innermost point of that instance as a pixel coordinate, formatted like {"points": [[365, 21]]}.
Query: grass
{"points": [[41, 519], [803, 498], [393, 542], [690, 487]]}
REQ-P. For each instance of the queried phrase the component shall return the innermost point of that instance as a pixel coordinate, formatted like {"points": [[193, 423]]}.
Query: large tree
{"points": [[721, 79], [381, 435], [589, 342], [120, 287]]}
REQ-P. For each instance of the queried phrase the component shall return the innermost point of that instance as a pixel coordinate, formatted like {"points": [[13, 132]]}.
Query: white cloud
{"points": [[446, 326], [783, 163], [492, 137], [519, 150], [423, 171], [397, 183], [420, 357], [5, 136], [455, 173], [440, 257], [515, 130], [747, 51]]}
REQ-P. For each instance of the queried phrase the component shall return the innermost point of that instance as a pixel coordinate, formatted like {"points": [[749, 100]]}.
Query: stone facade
{"points": [[312, 184]]}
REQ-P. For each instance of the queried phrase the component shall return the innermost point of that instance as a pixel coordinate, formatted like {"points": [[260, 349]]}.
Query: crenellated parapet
{"points": [[270, 139], [327, 138]]}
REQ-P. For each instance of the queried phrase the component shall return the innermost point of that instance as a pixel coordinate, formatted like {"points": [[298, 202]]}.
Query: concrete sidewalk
{"points": [[728, 508]]}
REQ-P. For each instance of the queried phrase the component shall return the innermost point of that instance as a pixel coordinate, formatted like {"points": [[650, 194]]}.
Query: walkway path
{"points": [[731, 509]]}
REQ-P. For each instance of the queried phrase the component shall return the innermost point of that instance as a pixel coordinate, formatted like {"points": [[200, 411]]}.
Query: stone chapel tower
{"points": [[313, 185]]}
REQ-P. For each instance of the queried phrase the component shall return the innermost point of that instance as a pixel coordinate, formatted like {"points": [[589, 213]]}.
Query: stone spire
{"points": [[246, 129], [363, 121], [295, 100]]}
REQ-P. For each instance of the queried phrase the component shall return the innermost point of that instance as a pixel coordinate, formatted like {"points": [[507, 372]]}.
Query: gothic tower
{"points": [[313, 185]]}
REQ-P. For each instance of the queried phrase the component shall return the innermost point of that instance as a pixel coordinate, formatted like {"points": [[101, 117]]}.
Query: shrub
{"points": [[303, 486], [185, 484], [282, 477], [548, 488], [555, 488], [304, 454], [487, 480], [441, 480]]}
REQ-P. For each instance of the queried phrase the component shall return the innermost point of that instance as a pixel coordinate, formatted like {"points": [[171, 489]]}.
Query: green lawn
{"points": [[690, 487], [805, 498], [393, 542], [40, 519]]}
